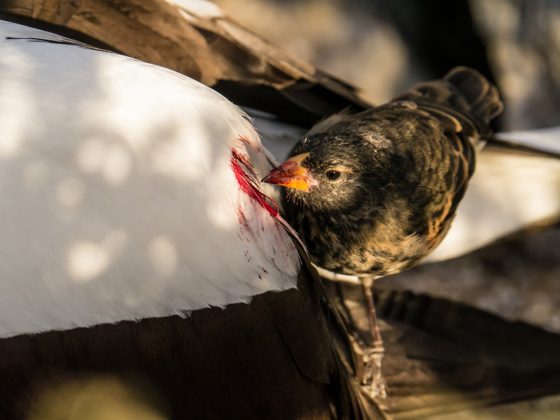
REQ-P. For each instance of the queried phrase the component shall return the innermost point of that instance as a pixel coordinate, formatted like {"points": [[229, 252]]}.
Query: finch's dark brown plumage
{"points": [[376, 191]]}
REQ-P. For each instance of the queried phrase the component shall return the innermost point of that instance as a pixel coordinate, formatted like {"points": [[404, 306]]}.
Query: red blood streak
{"points": [[248, 185], [241, 217]]}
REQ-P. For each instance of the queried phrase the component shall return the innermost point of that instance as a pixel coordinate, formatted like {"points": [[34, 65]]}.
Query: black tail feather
{"points": [[481, 96]]}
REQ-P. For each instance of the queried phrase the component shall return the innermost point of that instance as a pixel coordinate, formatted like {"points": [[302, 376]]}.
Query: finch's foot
{"points": [[377, 384], [374, 358]]}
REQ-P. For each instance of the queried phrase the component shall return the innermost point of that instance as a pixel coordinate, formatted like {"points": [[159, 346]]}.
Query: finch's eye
{"points": [[332, 175]]}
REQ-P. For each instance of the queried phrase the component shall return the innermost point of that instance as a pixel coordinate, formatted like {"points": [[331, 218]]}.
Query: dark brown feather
{"points": [[444, 357]]}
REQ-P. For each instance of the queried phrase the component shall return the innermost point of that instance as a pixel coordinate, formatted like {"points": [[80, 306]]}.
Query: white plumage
{"points": [[126, 191]]}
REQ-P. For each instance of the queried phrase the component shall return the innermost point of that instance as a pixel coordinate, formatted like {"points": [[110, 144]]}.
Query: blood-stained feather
{"points": [[128, 191]]}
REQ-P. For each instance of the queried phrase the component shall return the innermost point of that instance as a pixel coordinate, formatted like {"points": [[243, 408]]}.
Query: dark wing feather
{"points": [[444, 357], [452, 118]]}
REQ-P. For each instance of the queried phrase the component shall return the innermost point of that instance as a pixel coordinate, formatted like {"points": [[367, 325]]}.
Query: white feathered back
{"points": [[118, 192]]}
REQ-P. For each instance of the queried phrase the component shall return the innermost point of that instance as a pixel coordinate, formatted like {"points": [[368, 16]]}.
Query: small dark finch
{"points": [[374, 192]]}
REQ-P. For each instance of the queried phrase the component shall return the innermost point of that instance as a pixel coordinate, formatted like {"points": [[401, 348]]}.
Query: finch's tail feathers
{"points": [[481, 96], [464, 97]]}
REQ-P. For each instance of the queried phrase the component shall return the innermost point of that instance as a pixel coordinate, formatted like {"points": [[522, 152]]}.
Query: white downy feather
{"points": [[118, 195], [277, 136]]}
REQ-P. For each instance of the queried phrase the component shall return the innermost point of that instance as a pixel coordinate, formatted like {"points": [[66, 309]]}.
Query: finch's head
{"points": [[330, 172]]}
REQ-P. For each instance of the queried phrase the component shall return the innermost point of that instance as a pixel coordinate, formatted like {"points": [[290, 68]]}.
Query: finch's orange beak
{"points": [[291, 174]]}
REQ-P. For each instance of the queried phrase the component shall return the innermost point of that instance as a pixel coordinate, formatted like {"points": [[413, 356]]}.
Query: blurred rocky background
{"points": [[383, 46]]}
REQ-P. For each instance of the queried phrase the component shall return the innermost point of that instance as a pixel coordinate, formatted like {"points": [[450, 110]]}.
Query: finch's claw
{"points": [[373, 379]]}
